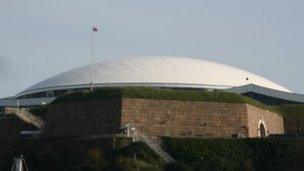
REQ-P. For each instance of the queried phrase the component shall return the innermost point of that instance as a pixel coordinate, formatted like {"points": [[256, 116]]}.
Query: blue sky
{"points": [[40, 38]]}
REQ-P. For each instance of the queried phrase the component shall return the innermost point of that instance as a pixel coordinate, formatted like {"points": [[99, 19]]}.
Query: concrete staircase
{"points": [[155, 146], [25, 116]]}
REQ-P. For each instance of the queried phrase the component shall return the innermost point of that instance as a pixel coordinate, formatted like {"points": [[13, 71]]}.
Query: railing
{"points": [[156, 147], [25, 116], [137, 136]]}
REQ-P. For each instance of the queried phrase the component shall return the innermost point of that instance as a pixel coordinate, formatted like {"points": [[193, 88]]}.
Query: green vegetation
{"points": [[65, 155], [191, 154], [161, 94], [40, 110], [236, 154], [294, 110]]}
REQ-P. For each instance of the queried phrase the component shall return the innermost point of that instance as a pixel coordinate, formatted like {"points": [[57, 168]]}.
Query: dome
{"points": [[154, 71]]}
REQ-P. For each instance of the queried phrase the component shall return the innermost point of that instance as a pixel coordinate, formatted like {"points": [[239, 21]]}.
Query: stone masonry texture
{"points": [[294, 125], [159, 118], [11, 126], [76, 119], [273, 122]]}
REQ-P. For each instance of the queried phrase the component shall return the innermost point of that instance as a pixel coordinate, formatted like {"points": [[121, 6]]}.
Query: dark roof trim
{"points": [[268, 92]]}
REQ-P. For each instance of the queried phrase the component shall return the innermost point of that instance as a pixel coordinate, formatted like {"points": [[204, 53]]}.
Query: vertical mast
{"points": [[91, 62], [94, 29]]}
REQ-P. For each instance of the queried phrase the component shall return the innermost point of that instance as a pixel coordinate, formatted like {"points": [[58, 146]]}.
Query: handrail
{"points": [[25, 116], [154, 146]]}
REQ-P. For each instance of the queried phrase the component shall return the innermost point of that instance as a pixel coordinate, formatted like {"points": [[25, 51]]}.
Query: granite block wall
{"points": [[11, 126], [73, 119], [273, 122], [198, 119], [159, 118], [294, 125]]}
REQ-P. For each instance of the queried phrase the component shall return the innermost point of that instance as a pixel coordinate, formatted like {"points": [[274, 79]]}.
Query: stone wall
{"points": [[199, 119], [158, 118], [177, 118], [75, 119], [11, 126], [274, 122], [294, 125]]}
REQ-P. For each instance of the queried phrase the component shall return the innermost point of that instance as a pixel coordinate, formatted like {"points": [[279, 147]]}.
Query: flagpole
{"points": [[91, 62]]}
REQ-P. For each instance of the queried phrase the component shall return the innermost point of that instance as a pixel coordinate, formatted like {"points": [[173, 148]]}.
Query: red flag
{"points": [[95, 29]]}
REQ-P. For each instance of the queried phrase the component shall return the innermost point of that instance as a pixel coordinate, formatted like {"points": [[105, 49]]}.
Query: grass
{"points": [[291, 110], [39, 110], [161, 94]]}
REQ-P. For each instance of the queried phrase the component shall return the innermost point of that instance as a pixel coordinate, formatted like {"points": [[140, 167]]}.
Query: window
{"points": [[49, 94]]}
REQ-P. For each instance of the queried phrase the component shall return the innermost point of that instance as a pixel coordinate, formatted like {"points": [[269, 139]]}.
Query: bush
{"points": [[75, 155], [226, 154], [141, 151], [177, 166], [129, 164], [190, 153], [94, 160], [236, 154]]}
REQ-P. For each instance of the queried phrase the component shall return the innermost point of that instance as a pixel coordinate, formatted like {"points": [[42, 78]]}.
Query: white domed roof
{"points": [[155, 71]]}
